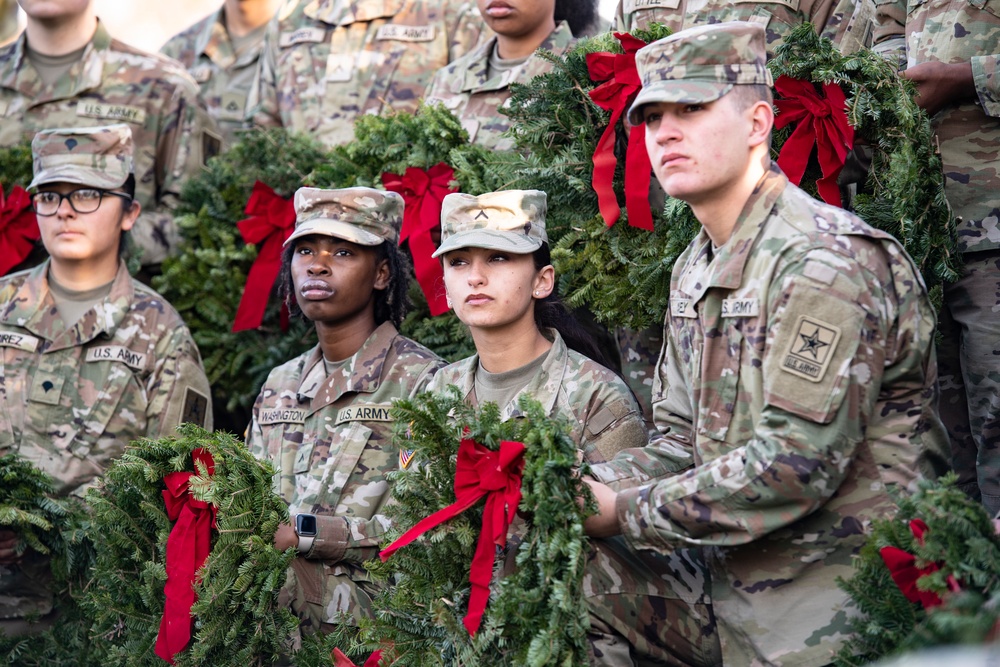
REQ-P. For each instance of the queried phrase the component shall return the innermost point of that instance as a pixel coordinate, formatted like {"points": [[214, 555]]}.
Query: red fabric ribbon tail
{"points": [[430, 274], [638, 171], [260, 281], [604, 172]]}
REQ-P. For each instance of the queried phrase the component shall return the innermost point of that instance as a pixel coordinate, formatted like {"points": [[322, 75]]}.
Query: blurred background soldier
{"points": [[326, 62], [951, 51], [90, 359], [65, 70], [477, 85], [221, 52]]}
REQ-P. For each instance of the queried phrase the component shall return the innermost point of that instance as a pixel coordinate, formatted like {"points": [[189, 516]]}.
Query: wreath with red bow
{"points": [[929, 576]]}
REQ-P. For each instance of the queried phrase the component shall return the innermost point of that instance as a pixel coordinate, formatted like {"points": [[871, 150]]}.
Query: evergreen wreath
{"points": [[956, 574], [556, 127], [536, 615], [58, 528], [237, 619]]}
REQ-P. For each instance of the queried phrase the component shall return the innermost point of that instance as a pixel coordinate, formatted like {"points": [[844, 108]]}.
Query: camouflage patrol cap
{"points": [[361, 215], [510, 220], [99, 157], [700, 65]]}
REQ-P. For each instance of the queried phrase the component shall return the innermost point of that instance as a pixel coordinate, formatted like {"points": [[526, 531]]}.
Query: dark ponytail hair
{"points": [[580, 14], [551, 313]]}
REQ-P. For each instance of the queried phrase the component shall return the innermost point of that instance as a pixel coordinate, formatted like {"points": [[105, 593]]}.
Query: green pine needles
{"points": [[961, 539], [536, 614], [238, 622]]}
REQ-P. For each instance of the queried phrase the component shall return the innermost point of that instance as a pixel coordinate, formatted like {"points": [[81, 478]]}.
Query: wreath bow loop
{"points": [[903, 568], [620, 85], [479, 472], [18, 228], [341, 660], [187, 548], [422, 192], [822, 121], [271, 221]]}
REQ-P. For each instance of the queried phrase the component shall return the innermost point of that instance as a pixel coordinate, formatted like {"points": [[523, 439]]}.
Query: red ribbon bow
{"points": [[187, 549], [271, 221], [620, 85], [479, 472], [423, 192], [821, 121], [902, 567], [341, 660], [18, 228]]}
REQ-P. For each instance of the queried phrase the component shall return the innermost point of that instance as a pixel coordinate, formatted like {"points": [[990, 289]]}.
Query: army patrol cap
{"points": [[510, 220], [700, 65], [98, 157], [360, 215]]}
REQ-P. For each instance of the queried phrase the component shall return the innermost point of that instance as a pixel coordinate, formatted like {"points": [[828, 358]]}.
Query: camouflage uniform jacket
{"points": [[968, 133], [326, 62], [115, 83], [331, 440], [467, 90], [798, 371], [604, 419], [848, 23], [225, 77], [72, 398]]}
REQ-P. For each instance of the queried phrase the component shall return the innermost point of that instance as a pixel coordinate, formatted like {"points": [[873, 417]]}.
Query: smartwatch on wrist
{"points": [[305, 528]]}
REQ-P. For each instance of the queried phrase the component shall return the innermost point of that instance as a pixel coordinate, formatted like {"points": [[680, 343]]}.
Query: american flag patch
{"points": [[405, 456]]}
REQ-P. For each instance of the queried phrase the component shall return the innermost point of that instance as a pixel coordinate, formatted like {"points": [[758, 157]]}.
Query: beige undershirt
{"points": [[73, 304], [52, 68], [498, 65], [501, 388]]}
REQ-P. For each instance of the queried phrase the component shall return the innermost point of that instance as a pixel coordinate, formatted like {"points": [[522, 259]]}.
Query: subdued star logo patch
{"points": [[811, 344], [481, 214], [809, 352]]}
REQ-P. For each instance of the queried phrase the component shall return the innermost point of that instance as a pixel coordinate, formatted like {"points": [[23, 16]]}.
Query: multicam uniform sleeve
{"points": [[178, 389], [889, 31], [986, 75], [812, 419], [262, 99], [669, 450], [187, 139], [354, 539]]}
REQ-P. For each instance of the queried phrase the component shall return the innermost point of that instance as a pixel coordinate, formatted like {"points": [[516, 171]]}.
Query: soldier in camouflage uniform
{"points": [[951, 50], [323, 418], [646, 609], [49, 80], [326, 62], [221, 52], [797, 383], [90, 359], [477, 85]]}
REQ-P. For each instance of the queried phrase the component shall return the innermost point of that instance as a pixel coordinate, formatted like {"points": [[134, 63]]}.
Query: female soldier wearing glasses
{"points": [[90, 359]]}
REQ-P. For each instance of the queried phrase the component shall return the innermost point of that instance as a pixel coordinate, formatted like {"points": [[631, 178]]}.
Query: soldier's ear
{"points": [[382, 274], [762, 120], [130, 213]]}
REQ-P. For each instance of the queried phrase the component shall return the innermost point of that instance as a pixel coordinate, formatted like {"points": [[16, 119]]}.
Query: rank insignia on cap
{"points": [[811, 349], [405, 456], [481, 214]]}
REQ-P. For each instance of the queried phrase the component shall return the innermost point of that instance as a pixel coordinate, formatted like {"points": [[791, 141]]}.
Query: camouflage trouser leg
{"points": [[649, 609], [640, 352], [969, 371]]}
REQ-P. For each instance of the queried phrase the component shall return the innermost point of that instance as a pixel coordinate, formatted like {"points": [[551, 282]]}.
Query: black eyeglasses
{"points": [[82, 200]]}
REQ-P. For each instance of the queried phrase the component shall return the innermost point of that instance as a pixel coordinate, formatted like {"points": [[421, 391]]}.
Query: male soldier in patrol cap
{"points": [[951, 51], [326, 62], [65, 70], [221, 52], [90, 359], [323, 418], [797, 381]]}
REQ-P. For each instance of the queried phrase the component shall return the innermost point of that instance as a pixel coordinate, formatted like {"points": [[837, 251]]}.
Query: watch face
{"points": [[305, 524]]}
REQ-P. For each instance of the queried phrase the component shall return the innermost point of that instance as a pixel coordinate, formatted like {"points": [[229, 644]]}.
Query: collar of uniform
{"points": [[364, 370], [726, 269], [475, 79], [20, 75], [213, 41], [35, 310], [344, 12], [544, 387]]}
